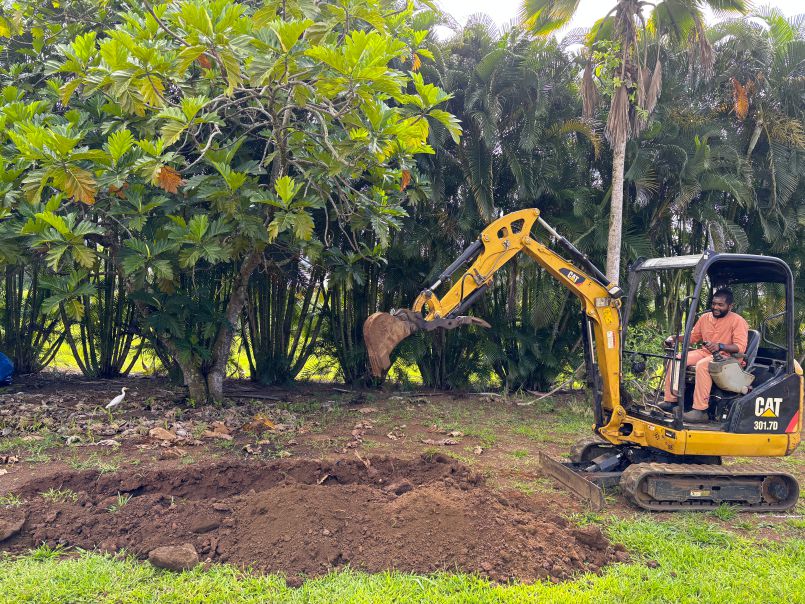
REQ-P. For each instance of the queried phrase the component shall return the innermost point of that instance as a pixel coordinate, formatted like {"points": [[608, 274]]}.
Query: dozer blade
{"points": [[381, 333], [575, 481]]}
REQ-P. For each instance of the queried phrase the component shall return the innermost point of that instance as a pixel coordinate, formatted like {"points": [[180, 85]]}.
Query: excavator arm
{"points": [[501, 241]]}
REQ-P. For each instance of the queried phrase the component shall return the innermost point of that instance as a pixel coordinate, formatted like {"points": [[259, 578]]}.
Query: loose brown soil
{"points": [[306, 517]]}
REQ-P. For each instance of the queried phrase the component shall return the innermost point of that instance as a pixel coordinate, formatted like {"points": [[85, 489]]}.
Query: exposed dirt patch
{"points": [[305, 517]]}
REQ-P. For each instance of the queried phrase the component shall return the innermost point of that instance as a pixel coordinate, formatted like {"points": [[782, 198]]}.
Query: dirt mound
{"points": [[307, 517]]}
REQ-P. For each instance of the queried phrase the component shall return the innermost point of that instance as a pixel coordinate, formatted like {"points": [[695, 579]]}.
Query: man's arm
{"points": [[740, 335], [696, 333], [721, 347]]}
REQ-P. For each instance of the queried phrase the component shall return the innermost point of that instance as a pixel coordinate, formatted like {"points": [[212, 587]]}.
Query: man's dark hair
{"points": [[725, 293]]}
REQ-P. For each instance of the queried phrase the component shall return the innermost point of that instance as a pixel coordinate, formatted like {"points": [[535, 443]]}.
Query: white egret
{"points": [[118, 399]]}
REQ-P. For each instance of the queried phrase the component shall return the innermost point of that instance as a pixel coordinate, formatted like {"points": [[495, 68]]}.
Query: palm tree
{"points": [[634, 87], [763, 71]]}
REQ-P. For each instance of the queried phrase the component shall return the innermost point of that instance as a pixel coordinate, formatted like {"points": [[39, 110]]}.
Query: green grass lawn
{"points": [[695, 562]]}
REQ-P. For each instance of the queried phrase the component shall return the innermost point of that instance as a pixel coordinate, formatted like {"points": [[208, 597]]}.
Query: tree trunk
{"points": [[616, 214], [204, 387], [195, 382], [226, 332]]}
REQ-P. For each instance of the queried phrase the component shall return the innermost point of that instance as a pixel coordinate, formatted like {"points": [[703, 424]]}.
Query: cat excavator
{"points": [[660, 462]]}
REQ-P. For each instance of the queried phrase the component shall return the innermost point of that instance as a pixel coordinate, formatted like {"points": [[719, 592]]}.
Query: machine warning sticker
{"points": [[574, 277], [767, 407]]}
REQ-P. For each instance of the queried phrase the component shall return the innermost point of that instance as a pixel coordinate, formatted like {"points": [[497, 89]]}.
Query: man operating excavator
{"points": [[720, 330]]}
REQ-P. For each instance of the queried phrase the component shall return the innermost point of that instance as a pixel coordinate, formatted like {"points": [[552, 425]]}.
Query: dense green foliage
{"points": [[185, 175]]}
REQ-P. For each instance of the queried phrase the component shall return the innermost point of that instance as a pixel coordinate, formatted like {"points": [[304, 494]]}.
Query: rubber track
{"points": [[634, 475]]}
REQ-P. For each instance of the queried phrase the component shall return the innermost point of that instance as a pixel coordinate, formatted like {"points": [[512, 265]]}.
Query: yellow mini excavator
{"points": [[659, 461]]}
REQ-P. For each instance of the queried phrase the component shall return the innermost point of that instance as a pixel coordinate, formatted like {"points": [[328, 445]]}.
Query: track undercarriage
{"points": [[659, 482]]}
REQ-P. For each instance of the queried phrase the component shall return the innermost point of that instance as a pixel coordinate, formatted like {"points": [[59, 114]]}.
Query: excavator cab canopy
{"points": [[667, 295]]}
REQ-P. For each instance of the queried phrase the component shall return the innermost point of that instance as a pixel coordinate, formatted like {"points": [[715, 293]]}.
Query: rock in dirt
{"points": [[400, 488], [174, 557], [9, 528], [622, 556], [591, 536], [204, 525]]}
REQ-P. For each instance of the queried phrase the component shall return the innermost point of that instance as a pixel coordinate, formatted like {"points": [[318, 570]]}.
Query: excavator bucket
{"points": [[381, 333]]}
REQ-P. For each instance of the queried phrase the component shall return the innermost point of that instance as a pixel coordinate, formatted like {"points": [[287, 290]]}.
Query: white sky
{"points": [[504, 11]]}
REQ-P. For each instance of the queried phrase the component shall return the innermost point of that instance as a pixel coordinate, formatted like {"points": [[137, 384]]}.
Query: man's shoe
{"points": [[695, 416], [667, 405]]}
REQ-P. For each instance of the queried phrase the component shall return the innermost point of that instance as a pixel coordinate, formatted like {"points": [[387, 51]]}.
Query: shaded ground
{"points": [[308, 479]]}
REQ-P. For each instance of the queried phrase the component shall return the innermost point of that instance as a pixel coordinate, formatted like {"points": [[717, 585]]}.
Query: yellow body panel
{"points": [[704, 442]]}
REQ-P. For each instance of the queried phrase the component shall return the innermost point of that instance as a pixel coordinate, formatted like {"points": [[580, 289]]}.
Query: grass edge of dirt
{"points": [[678, 560]]}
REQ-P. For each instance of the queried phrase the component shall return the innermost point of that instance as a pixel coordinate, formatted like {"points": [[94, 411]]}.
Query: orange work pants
{"points": [[701, 393]]}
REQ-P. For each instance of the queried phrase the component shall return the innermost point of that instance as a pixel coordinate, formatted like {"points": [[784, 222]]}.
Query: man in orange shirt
{"points": [[720, 330]]}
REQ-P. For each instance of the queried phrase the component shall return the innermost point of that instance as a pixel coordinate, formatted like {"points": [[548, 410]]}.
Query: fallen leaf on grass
{"points": [[396, 433], [441, 442], [253, 449], [221, 435], [162, 434], [434, 429], [259, 423], [220, 428], [173, 452], [361, 427], [367, 463]]}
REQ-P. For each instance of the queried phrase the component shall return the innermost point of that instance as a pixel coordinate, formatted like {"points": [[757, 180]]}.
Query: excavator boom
{"points": [[499, 242]]}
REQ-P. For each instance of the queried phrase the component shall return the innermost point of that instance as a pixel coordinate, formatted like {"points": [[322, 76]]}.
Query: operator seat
{"points": [[752, 344]]}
